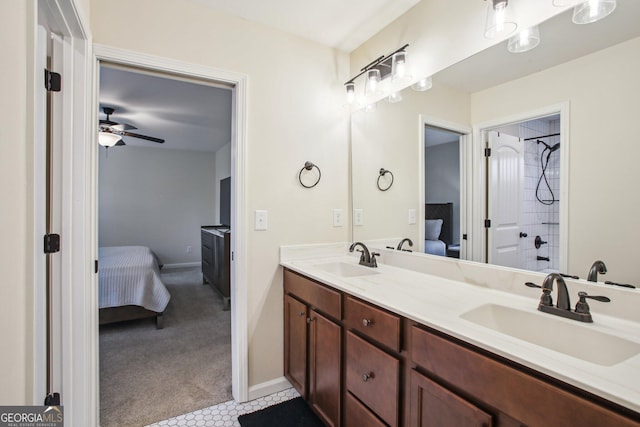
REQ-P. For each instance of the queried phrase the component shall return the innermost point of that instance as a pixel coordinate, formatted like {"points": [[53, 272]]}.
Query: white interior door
{"points": [[504, 199]]}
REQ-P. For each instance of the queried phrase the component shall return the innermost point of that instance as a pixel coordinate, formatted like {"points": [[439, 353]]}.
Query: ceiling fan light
{"points": [[108, 139], [593, 10]]}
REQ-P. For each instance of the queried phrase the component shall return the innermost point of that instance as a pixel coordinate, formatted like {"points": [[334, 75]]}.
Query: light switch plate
{"points": [[358, 217], [412, 216], [261, 219], [338, 218]]}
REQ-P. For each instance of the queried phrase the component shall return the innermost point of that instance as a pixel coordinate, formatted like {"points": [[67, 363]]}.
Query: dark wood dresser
{"points": [[216, 260]]}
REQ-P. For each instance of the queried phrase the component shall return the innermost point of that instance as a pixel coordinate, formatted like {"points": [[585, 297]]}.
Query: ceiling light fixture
{"points": [[108, 139], [592, 10], [524, 41], [500, 21], [394, 64], [423, 84]]}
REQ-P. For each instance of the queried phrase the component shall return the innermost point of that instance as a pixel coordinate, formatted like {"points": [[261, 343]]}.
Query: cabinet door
{"points": [[434, 406], [295, 344], [325, 348]]}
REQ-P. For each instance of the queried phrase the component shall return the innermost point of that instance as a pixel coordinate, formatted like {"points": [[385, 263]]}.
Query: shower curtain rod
{"points": [[538, 137]]}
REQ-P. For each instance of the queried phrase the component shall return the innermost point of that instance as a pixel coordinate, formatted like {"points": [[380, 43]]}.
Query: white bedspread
{"points": [[129, 275]]}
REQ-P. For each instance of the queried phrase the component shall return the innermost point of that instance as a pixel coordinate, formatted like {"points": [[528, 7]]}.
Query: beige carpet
{"points": [[148, 375]]}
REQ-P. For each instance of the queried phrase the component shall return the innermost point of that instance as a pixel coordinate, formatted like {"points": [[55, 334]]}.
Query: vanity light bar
{"points": [[382, 63]]}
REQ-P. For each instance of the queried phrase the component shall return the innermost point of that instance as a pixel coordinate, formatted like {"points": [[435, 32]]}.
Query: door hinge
{"points": [[52, 399], [52, 81], [51, 243], [487, 223], [487, 152], [464, 236], [95, 265]]}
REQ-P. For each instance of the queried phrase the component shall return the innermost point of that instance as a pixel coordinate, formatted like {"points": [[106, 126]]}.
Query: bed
{"points": [[129, 285], [438, 228]]}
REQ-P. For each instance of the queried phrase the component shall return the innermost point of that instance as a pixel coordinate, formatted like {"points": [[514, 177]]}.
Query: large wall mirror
{"points": [[432, 144]]}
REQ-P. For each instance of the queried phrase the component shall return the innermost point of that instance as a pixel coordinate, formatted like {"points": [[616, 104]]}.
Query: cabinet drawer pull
{"points": [[309, 319], [367, 377], [302, 313], [367, 322]]}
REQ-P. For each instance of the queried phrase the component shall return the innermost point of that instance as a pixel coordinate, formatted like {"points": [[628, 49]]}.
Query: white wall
{"points": [[157, 198], [602, 89], [442, 179], [294, 114], [16, 191]]}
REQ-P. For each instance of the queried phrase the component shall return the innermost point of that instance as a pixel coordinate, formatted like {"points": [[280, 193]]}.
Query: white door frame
{"points": [[76, 362], [465, 193], [478, 246], [239, 320]]}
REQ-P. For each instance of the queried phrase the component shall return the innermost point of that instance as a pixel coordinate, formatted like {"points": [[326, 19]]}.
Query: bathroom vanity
{"points": [[389, 346]]}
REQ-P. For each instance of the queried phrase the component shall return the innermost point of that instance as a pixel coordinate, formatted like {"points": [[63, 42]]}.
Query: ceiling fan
{"points": [[111, 133]]}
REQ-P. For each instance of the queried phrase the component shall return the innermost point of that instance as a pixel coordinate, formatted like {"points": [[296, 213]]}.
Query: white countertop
{"points": [[439, 302]]}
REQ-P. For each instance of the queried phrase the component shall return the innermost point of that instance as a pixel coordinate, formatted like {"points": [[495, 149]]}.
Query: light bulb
{"points": [[351, 92], [372, 83], [524, 41], [399, 66], [423, 84], [500, 20], [592, 10], [394, 97]]}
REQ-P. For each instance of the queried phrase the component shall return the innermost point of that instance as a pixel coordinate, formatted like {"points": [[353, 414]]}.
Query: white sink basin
{"points": [[343, 269], [546, 330]]}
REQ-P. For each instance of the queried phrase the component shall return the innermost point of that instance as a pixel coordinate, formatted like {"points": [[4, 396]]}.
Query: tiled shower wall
{"points": [[540, 219]]}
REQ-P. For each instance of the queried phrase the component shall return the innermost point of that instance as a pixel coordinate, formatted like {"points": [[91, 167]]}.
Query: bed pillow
{"points": [[432, 229]]}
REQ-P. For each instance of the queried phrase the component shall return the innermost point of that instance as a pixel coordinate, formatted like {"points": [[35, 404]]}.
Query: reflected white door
{"points": [[505, 196]]}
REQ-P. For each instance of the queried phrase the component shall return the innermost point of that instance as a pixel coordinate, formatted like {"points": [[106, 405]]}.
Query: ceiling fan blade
{"points": [[123, 127], [148, 138]]}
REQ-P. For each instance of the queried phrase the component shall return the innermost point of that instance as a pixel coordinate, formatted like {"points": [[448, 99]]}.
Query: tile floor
{"points": [[226, 414]]}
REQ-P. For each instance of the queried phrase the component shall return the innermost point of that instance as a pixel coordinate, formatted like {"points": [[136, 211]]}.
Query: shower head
{"points": [[554, 148]]}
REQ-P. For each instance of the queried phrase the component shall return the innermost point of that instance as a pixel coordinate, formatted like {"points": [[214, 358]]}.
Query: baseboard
{"points": [[180, 265], [268, 387]]}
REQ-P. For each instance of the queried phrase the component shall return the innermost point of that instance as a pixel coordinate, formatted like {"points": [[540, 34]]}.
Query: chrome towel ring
{"points": [[383, 172], [308, 166]]}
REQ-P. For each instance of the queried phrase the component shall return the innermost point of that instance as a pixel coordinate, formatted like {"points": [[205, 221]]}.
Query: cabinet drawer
{"points": [[373, 376], [372, 321], [357, 415], [319, 296], [206, 238], [506, 387]]}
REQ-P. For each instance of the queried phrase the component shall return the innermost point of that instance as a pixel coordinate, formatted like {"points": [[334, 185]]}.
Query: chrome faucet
{"points": [[402, 242], [366, 258], [596, 267], [563, 306]]}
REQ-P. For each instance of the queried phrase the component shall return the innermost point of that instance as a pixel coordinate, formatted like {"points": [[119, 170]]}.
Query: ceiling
{"points": [[187, 115], [195, 116], [340, 24]]}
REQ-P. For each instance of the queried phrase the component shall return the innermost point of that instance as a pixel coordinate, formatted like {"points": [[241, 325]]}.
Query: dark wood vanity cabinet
{"points": [[216, 260], [364, 366], [313, 344], [454, 383]]}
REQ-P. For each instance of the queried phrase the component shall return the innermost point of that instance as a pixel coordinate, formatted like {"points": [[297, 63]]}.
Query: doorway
{"points": [[523, 188], [158, 186], [442, 193]]}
